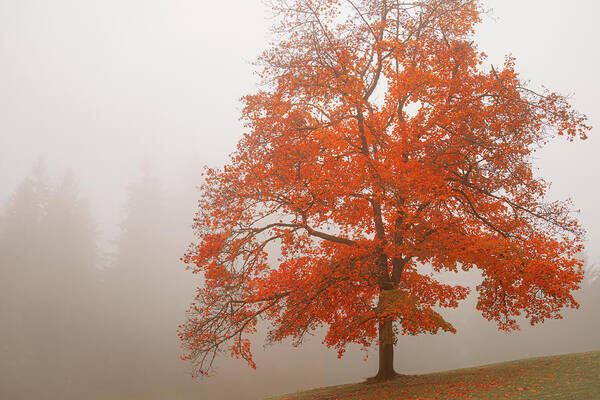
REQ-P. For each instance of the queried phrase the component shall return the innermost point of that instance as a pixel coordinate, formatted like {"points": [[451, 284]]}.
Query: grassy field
{"points": [[564, 377]]}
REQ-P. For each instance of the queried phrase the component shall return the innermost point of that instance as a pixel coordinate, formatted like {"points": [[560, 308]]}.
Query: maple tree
{"points": [[380, 143]]}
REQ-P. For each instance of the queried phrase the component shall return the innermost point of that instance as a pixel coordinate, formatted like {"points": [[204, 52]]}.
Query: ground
{"points": [[564, 377]]}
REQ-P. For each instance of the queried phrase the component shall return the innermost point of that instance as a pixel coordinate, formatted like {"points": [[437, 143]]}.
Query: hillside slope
{"points": [[564, 377]]}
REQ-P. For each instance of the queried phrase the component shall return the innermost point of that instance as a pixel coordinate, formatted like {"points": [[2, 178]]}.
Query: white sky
{"points": [[97, 86]]}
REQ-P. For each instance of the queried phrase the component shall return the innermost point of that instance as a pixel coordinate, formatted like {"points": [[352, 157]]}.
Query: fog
{"points": [[109, 110]]}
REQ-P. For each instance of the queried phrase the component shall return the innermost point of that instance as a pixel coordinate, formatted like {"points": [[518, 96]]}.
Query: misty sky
{"points": [[97, 86]]}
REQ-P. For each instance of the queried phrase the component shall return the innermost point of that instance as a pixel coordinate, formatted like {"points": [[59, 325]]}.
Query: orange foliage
{"points": [[380, 142]]}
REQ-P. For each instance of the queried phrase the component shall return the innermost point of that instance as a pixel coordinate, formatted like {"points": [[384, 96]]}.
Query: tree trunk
{"points": [[386, 352]]}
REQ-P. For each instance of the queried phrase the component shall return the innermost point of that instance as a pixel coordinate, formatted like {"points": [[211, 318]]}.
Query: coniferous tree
{"points": [[141, 295], [47, 264], [20, 249], [71, 254]]}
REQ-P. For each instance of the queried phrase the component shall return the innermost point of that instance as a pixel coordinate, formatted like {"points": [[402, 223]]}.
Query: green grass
{"points": [[564, 377]]}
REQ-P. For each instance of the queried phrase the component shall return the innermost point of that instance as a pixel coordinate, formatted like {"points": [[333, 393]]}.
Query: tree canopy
{"points": [[380, 142]]}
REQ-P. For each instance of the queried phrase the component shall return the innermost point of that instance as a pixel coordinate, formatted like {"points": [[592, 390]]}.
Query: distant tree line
{"points": [[48, 259], [77, 320]]}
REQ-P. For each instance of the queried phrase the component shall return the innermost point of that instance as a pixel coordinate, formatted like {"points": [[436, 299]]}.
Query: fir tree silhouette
{"points": [[48, 264]]}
